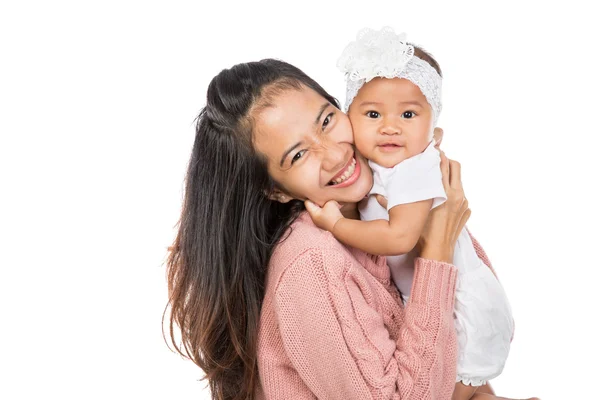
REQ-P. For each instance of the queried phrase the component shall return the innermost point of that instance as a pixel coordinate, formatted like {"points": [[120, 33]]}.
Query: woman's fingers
{"points": [[464, 205], [463, 221], [445, 168], [438, 134], [381, 200], [455, 176], [464, 213]]}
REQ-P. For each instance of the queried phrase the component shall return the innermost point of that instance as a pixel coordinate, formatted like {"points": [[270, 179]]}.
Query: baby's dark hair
{"points": [[428, 58]]}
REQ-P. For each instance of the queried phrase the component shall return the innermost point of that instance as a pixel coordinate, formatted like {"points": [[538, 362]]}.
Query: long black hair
{"points": [[229, 228]]}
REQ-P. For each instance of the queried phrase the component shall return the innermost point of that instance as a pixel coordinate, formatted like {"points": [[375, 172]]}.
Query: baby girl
{"points": [[393, 102]]}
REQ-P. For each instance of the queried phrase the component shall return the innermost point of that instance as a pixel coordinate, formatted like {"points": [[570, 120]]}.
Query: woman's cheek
{"points": [[344, 129], [308, 182]]}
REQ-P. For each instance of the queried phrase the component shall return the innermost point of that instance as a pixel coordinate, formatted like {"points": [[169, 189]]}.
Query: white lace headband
{"points": [[386, 54]]}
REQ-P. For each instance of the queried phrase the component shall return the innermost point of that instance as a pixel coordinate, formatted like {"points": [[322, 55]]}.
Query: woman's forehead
{"points": [[291, 112]]}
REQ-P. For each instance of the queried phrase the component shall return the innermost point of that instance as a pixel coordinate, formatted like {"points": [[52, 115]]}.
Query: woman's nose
{"points": [[335, 156]]}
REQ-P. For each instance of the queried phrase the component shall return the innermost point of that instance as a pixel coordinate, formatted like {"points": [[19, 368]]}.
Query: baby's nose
{"points": [[390, 126]]}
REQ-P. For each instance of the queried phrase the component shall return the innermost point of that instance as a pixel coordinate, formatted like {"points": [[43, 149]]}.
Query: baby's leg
{"points": [[463, 392], [485, 396], [486, 392], [487, 388]]}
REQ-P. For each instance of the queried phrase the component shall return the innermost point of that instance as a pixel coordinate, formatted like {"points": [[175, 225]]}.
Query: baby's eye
{"points": [[298, 155], [373, 114], [408, 114], [327, 120]]}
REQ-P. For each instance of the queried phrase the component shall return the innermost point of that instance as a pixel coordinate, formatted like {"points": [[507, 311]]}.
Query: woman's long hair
{"points": [[228, 229]]}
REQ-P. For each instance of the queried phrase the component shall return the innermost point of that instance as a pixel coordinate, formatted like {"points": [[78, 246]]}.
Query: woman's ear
{"points": [[278, 195], [438, 135]]}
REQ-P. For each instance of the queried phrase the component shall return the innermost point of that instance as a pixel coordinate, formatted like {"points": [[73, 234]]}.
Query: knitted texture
{"points": [[481, 254], [333, 326]]}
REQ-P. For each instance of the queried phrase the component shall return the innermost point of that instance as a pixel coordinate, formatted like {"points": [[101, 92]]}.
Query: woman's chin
{"points": [[364, 186], [360, 194]]}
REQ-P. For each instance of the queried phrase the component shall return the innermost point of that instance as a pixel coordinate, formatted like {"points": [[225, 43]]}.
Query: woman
{"points": [[268, 304]]}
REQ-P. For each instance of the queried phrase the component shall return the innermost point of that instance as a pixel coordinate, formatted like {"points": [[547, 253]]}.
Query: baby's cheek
{"points": [[365, 145], [357, 132]]}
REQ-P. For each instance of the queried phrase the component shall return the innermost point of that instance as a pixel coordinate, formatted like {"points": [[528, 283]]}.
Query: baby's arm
{"points": [[413, 187], [397, 236]]}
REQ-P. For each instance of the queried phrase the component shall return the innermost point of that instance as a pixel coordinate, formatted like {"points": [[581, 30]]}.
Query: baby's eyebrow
{"points": [[370, 103], [411, 103], [375, 103]]}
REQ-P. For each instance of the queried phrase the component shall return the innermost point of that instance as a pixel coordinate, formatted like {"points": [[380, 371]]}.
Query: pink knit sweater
{"points": [[333, 326]]}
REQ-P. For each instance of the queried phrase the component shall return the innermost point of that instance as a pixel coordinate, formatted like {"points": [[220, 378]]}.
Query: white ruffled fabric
{"points": [[483, 317], [375, 53]]}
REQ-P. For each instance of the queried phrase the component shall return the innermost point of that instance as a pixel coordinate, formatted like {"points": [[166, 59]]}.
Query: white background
{"points": [[97, 103]]}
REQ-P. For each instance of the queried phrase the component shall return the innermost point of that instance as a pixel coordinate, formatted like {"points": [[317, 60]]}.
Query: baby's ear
{"points": [[438, 135], [278, 195]]}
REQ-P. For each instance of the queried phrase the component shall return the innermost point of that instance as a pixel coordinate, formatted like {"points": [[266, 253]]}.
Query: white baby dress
{"points": [[483, 318]]}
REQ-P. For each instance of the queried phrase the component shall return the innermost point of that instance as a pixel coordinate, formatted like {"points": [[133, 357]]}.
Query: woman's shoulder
{"points": [[306, 247], [303, 239]]}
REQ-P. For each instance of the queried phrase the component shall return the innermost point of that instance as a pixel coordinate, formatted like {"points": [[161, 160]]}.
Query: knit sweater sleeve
{"points": [[481, 253], [340, 344], [483, 257]]}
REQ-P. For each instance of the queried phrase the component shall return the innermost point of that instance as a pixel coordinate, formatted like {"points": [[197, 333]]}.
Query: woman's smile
{"points": [[346, 176], [322, 156]]}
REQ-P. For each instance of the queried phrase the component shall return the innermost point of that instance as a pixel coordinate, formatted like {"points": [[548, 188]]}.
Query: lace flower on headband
{"points": [[375, 53], [385, 54]]}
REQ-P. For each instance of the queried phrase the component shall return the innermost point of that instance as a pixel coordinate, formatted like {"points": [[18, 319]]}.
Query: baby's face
{"points": [[391, 120]]}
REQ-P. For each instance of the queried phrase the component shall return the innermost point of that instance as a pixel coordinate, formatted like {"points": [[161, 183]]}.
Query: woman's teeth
{"points": [[347, 174]]}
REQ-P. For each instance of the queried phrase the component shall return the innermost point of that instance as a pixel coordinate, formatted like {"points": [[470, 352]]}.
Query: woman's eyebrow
{"points": [[321, 110], [288, 152]]}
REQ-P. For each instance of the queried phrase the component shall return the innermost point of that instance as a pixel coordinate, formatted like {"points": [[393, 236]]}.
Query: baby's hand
{"points": [[324, 217]]}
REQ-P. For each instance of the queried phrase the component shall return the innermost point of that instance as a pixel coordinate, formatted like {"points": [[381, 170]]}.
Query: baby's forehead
{"points": [[390, 91]]}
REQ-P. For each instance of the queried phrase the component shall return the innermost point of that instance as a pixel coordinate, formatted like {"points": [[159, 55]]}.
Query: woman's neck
{"points": [[350, 210]]}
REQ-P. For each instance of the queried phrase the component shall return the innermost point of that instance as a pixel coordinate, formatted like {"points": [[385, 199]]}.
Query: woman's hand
{"points": [[446, 221]]}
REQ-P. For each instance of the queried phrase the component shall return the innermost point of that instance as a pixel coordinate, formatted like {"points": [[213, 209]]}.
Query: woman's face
{"points": [[310, 149]]}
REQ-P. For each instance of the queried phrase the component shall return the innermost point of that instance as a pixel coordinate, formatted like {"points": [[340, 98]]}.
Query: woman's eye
{"points": [[408, 114], [373, 114], [327, 120], [298, 155]]}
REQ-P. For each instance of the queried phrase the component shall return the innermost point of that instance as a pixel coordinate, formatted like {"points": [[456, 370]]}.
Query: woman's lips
{"points": [[344, 172], [353, 169]]}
